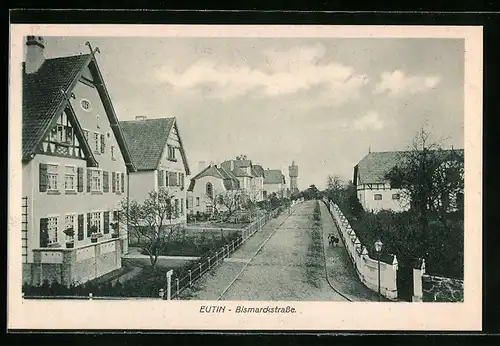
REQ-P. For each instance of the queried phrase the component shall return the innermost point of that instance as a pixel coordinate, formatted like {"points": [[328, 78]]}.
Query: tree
{"points": [[151, 222], [427, 175], [311, 192], [335, 189], [229, 200], [250, 198]]}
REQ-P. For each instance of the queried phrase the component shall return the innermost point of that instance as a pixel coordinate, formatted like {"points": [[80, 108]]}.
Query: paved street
{"points": [[289, 266]]}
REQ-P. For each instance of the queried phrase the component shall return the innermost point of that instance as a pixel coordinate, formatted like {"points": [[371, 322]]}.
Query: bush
{"points": [[401, 235]]}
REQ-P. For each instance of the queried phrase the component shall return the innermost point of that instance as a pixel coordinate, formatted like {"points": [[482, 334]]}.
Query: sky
{"points": [[322, 102]]}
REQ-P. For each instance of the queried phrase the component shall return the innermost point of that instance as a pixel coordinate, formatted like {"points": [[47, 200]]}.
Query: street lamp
{"points": [[378, 249]]}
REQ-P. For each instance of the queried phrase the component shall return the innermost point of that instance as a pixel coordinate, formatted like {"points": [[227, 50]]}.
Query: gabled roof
{"points": [[273, 176], [147, 140], [259, 170], [237, 166], [228, 179], [375, 165], [46, 94]]}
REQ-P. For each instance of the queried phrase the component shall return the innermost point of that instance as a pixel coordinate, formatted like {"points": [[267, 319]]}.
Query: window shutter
{"points": [[167, 180], [105, 181], [89, 178], [103, 144], [43, 177], [88, 225], [44, 232], [113, 182], [80, 227], [122, 180], [160, 178], [79, 173], [106, 222]]}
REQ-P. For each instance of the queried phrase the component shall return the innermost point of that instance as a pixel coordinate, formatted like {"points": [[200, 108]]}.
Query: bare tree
{"points": [[151, 222], [230, 201], [250, 199], [423, 173]]}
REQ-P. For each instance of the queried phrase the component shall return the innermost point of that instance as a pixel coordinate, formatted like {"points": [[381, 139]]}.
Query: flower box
{"points": [[114, 235], [70, 245]]}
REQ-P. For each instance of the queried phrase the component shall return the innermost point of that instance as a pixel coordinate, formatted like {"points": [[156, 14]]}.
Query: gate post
{"points": [[418, 272], [169, 282]]}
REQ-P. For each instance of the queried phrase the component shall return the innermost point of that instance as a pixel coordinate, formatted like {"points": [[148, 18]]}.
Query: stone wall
{"points": [[366, 267], [74, 266], [442, 289]]}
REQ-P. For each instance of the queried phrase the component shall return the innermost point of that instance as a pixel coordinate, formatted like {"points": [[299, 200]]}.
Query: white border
{"points": [[122, 315]]}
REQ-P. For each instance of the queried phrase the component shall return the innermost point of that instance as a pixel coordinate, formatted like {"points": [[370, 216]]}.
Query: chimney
{"points": [[34, 53], [140, 117]]}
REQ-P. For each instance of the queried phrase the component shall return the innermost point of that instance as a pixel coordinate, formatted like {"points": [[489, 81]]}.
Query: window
{"points": [[377, 197], [70, 178], [209, 209], [52, 229], [113, 153], [97, 142], [182, 206], [396, 196], [52, 176], [95, 220], [69, 221], [189, 202], [171, 152], [197, 201], [86, 106], [209, 190], [96, 180], [118, 182]]}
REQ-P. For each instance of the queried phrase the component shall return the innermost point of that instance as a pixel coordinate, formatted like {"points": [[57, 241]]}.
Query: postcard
{"points": [[205, 177]]}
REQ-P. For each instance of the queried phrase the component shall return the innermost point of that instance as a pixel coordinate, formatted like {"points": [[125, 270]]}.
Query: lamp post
{"points": [[378, 249]]}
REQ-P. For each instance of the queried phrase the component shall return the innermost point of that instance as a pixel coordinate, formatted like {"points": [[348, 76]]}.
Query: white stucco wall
{"points": [[199, 191], [366, 197]]}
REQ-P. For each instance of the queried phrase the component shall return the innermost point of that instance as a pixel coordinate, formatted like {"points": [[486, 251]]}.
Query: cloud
{"points": [[369, 121], [397, 83], [281, 73]]}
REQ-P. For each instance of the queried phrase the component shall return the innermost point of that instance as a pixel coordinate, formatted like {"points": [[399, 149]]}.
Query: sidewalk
{"points": [[213, 283], [341, 272]]}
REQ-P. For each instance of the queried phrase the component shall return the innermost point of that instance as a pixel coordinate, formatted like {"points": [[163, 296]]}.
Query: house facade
{"points": [[158, 154], [210, 182], [75, 165], [376, 192], [274, 182]]}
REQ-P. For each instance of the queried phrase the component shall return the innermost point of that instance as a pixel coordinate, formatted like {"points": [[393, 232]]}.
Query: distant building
{"points": [[293, 173], [375, 192], [206, 185], [160, 159], [274, 182]]}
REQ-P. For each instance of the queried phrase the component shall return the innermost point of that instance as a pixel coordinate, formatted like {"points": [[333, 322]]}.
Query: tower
{"points": [[293, 173]]}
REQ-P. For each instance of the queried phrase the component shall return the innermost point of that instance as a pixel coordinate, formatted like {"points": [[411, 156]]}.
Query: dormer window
{"points": [[86, 106]]}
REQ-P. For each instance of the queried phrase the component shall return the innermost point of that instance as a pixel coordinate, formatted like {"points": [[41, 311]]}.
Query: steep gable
{"points": [[45, 96], [147, 141], [47, 93]]}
